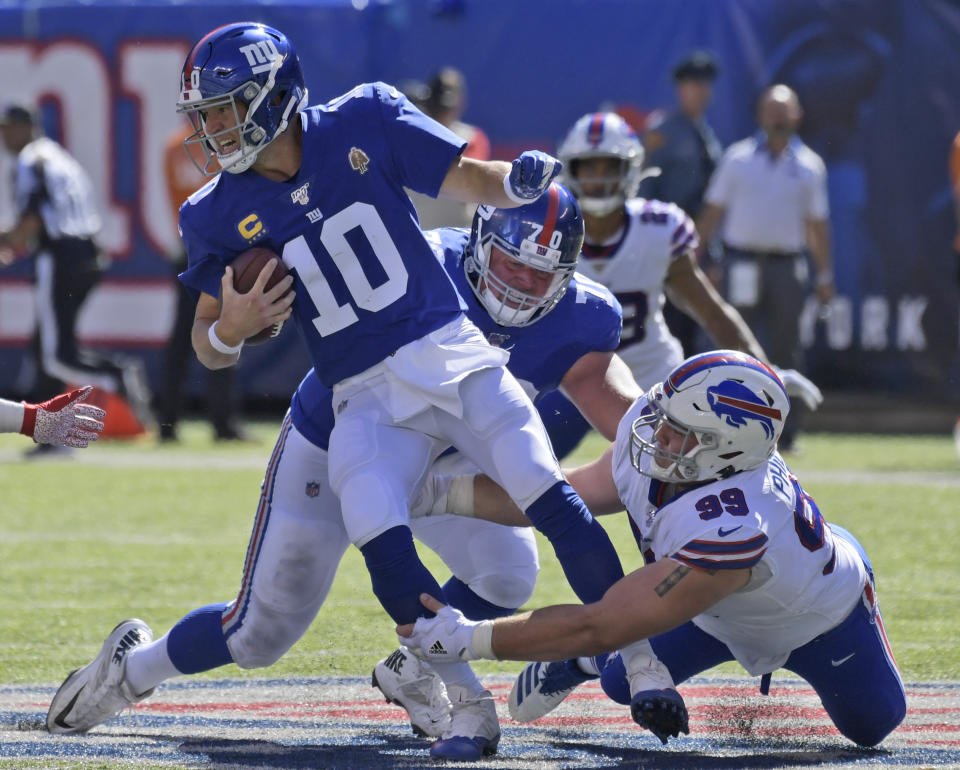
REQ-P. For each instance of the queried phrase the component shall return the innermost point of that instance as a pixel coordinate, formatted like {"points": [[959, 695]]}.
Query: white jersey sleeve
{"points": [[635, 270]]}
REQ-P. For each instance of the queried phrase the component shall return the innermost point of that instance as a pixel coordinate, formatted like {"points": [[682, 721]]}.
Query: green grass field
{"points": [[135, 529]]}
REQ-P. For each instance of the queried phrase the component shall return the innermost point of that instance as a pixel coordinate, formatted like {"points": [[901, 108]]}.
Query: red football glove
{"points": [[63, 420]]}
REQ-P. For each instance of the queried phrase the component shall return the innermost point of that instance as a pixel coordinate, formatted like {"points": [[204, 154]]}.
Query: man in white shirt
{"points": [[769, 193]]}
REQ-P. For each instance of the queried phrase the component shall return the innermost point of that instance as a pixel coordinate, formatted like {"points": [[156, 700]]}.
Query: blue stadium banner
{"points": [[877, 79]]}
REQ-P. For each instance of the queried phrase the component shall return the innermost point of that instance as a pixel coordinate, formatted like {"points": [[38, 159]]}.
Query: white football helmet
{"points": [[729, 406], [602, 135]]}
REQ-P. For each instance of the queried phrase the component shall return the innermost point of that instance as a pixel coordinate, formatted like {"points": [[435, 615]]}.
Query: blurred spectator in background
{"points": [[183, 178], [56, 223], [444, 98], [770, 194], [955, 186], [684, 147], [8, 214]]}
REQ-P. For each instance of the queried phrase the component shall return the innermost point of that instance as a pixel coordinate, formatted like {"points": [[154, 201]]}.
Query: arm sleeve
{"points": [[31, 187], [421, 148], [204, 266], [683, 237], [743, 548]]}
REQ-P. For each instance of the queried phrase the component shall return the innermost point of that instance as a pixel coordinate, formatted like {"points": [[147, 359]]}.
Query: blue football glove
{"points": [[530, 176], [662, 712]]}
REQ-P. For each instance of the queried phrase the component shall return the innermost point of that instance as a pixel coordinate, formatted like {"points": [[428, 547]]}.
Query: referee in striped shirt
{"points": [[57, 224]]}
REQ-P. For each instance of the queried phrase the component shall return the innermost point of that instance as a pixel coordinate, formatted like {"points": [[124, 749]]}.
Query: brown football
{"points": [[246, 268]]}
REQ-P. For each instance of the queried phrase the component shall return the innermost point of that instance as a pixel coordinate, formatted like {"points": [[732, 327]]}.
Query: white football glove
{"points": [[63, 420], [798, 386], [448, 637]]}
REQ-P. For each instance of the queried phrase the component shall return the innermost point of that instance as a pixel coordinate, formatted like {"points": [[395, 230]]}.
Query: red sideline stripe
{"points": [[257, 536]]}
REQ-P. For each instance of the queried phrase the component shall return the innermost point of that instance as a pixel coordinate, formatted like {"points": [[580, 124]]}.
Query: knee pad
{"points": [[509, 590]]}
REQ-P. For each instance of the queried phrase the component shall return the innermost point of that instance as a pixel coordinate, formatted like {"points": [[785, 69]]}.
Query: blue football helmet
{"points": [[244, 63], [730, 408], [545, 235]]}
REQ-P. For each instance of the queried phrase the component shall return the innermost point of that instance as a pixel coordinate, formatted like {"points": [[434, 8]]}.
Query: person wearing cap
{"points": [[768, 202], [444, 98], [56, 224], [681, 143]]}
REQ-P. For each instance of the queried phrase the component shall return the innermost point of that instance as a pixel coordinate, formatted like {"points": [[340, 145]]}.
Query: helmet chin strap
{"points": [[499, 310]]}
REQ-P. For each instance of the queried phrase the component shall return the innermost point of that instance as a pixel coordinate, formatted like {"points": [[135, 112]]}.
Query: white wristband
{"points": [[510, 193], [460, 496], [824, 278], [482, 641], [219, 345]]}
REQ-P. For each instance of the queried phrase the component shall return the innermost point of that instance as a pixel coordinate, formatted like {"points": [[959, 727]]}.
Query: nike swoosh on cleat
{"points": [[724, 533], [842, 660], [60, 720]]}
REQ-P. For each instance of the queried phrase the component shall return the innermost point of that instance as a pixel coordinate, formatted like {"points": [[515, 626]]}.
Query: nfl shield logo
{"points": [[301, 195], [313, 489]]}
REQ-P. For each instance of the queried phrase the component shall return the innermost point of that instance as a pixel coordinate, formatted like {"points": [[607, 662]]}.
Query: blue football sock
{"points": [[458, 594], [398, 576], [196, 643], [583, 548]]}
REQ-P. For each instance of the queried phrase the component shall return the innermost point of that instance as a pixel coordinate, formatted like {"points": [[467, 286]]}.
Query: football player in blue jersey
{"points": [[410, 375]]}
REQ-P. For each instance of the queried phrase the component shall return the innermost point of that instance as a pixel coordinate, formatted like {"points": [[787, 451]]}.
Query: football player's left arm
{"points": [[602, 387], [473, 181], [691, 291], [649, 601], [498, 183]]}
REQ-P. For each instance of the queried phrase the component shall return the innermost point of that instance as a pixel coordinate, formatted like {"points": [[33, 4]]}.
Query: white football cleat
{"points": [[541, 687], [91, 695], [474, 729], [414, 686]]}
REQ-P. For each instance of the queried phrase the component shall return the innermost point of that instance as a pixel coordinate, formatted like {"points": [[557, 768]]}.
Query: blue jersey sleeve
{"points": [[204, 270], [311, 410], [205, 251], [422, 148]]}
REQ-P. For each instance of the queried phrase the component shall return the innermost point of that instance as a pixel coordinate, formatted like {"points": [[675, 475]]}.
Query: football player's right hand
{"points": [[531, 175], [63, 420], [662, 712], [447, 637], [243, 315]]}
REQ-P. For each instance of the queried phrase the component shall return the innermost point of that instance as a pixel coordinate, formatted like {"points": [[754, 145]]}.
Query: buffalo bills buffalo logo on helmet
{"points": [[736, 403]]}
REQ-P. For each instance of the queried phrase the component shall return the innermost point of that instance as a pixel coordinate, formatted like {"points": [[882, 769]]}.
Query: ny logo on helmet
{"points": [[260, 55], [736, 404]]}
